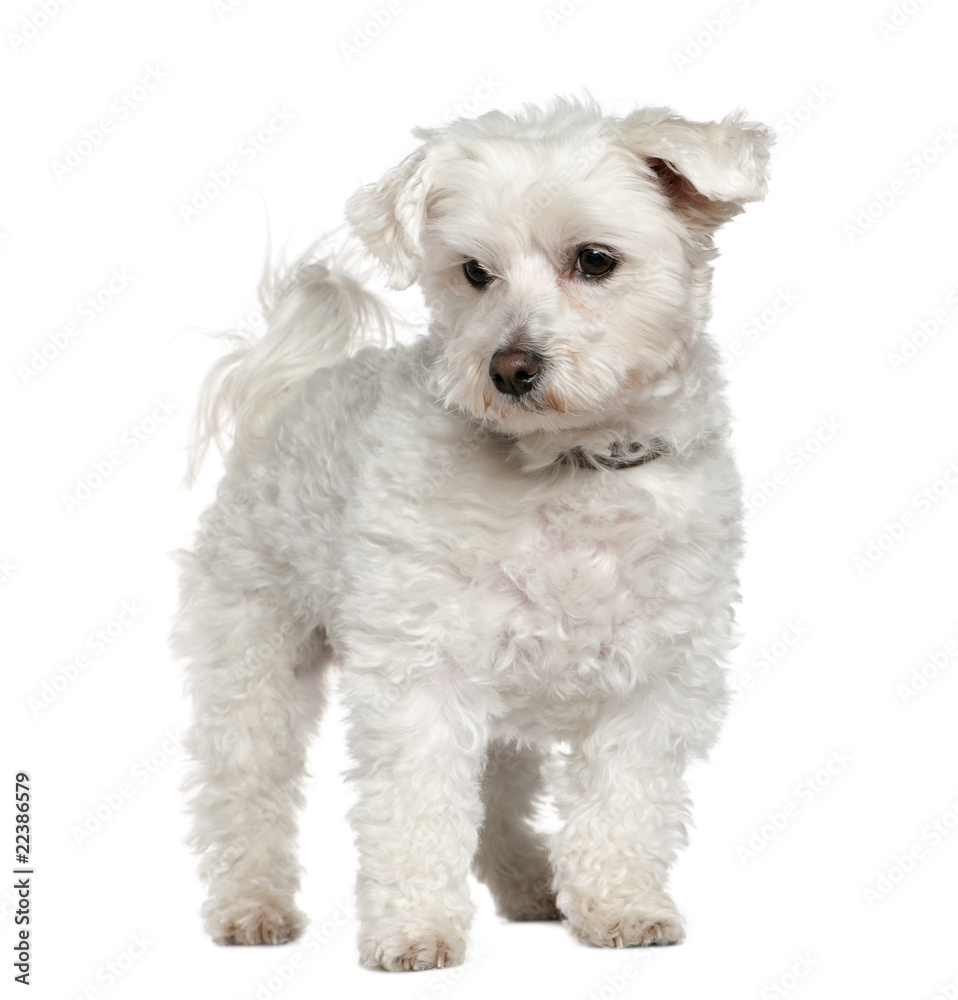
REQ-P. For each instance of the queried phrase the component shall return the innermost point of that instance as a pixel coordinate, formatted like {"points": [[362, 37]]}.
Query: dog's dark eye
{"points": [[595, 263], [476, 274]]}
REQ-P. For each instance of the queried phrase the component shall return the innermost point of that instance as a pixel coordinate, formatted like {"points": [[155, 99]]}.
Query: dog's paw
{"points": [[412, 951], [638, 930], [652, 921], [252, 922]]}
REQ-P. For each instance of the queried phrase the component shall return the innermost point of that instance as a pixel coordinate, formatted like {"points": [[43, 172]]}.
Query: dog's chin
{"points": [[543, 411]]}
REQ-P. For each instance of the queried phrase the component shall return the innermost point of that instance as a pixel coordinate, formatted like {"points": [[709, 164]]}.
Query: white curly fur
{"points": [[507, 620]]}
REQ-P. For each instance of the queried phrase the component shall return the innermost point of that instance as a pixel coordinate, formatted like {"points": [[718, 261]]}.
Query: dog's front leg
{"points": [[625, 807], [418, 749]]}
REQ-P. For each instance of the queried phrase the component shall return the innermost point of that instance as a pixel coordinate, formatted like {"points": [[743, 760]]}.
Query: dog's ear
{"points": [[708, 169], [389, 216]]}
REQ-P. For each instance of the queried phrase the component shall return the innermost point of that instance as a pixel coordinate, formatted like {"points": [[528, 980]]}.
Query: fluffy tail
{"points": [[317, 312]]}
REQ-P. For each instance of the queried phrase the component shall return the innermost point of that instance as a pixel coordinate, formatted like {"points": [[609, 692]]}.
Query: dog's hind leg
{"points": [[513, 858], [257, 685]]}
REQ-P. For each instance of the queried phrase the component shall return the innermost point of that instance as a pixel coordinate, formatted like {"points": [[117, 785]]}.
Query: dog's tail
{"points": [[317, 312]]}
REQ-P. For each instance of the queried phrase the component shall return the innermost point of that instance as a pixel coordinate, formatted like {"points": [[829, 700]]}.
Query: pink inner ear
{"points": [[701, 214], [670, 179]]}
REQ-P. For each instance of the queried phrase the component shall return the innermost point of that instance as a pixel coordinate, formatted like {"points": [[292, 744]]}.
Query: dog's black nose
{"points": [[514, 372]]}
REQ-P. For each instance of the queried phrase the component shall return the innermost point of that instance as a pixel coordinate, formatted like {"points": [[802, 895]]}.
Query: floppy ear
{"points": [[389, 216], [708, 169]]}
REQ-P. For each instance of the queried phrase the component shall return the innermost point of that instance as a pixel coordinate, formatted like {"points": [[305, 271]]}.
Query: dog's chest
{"points": [[554, 590], [571, 561]]}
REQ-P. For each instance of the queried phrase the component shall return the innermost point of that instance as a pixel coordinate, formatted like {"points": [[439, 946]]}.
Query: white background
{"points": [[837, 440]]}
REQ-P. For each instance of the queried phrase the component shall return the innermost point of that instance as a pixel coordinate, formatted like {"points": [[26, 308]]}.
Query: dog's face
{"points": [[558, 284], [563, 256]]}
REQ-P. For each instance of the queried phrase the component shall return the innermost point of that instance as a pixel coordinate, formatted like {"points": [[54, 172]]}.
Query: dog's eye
{"points": [[594, 263], [476, 274]]}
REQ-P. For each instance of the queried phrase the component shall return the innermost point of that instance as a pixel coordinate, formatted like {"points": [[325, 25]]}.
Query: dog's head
{"points": [[563, 254]]}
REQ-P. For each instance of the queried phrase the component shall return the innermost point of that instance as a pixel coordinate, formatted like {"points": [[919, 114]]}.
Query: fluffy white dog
{"points": [[517, 535]]}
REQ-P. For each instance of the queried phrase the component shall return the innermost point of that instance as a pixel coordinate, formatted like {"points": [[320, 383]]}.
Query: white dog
{"points": [[517, 535]]}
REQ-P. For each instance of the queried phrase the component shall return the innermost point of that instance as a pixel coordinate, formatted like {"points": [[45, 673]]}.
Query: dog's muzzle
{"points": [[514, 372]]}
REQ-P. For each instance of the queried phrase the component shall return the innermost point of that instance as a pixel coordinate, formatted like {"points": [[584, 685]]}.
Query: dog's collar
{"points": [[620, 456]]}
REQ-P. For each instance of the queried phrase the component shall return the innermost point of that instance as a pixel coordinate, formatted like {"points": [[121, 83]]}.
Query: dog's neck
{"points": [[620, 455], [671, 416]]}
